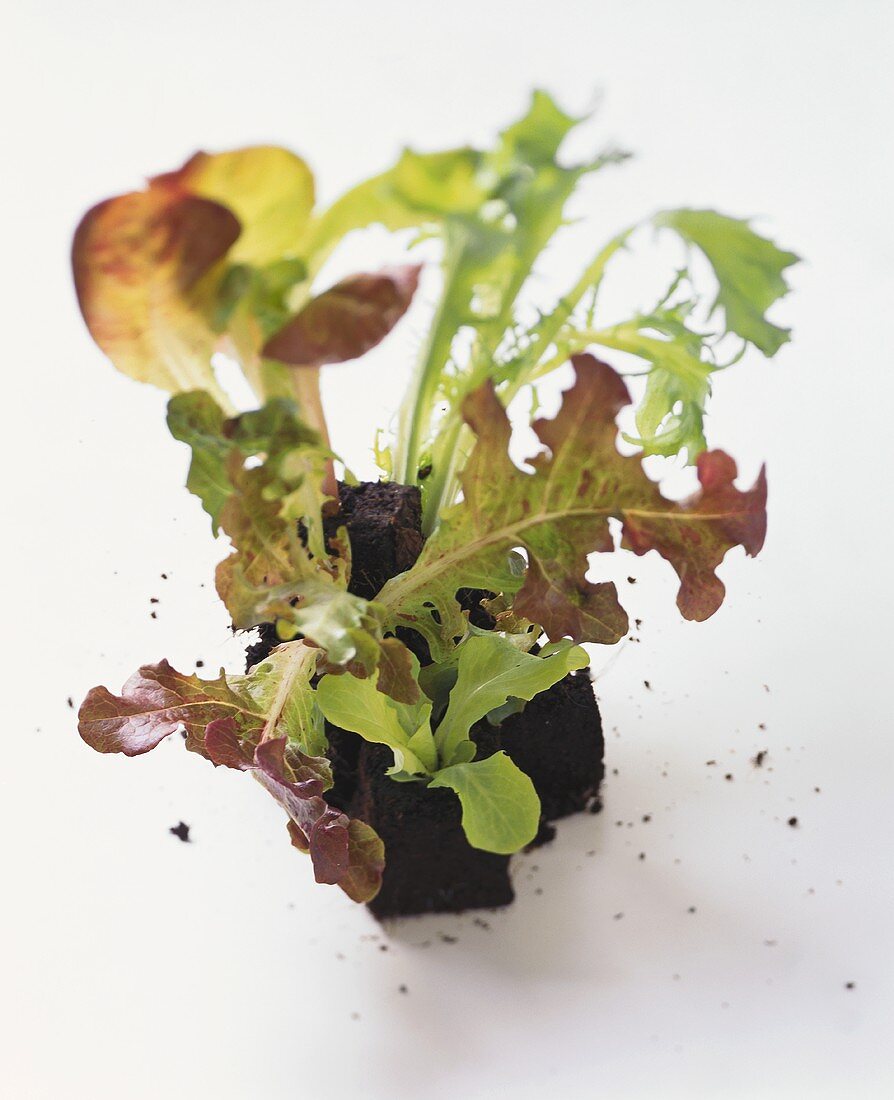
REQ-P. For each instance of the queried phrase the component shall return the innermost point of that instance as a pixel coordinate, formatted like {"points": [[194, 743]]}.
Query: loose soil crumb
{"points": [[200, 664], [850, 985], [181, 831], [70, 702], [402, 989], [758, 759], [793, 821]]}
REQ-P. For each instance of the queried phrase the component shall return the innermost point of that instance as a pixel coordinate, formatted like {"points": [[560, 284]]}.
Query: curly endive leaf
{"points": [[560, 513], [275, 699], [748, 268], [347, 320], [141, 264], [670, 418]]}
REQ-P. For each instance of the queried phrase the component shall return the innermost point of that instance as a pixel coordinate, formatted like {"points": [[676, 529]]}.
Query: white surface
{"points": [[137, 967]]}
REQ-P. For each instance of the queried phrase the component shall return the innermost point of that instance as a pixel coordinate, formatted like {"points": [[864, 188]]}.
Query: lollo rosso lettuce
{"points": [[227, 255]]}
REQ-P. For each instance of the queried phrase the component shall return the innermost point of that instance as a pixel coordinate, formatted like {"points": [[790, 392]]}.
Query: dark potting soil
{"points": [[429, 865], [556, 740]]}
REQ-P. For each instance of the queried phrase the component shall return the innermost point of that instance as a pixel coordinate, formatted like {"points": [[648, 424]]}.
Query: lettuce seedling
{"points": [[226, 255]]}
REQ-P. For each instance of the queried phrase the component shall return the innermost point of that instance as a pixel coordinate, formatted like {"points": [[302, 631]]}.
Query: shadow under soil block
{"points": [[557, 740]]}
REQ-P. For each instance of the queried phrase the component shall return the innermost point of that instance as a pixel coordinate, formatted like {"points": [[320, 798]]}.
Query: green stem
{"points": [[414, 419]]}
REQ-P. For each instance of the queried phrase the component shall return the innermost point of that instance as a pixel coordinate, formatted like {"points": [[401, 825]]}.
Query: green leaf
{"points": [[670, 418], [491, 670], [500, 808], [269, 189], [748, 268], [359, 706], [491, 244], [197, 420]]}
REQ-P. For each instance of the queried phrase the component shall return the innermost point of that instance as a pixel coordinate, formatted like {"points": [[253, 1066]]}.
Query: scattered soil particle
{"points": [[402, 989], [758, 759], [154, 599], [481, 924], [448, 939], [770, 943], [200, 664], [638, 623], [642, 855], [850, 985], [691, 909], [793, 821], [728, 777], [647, 818], [180, 831], [70, 702], [383, 946], [631, 580], [710, 763], [647, 685], [538, 890], [152, 615], [817, 790], [618, 916], [164, 576], [762, 725]]}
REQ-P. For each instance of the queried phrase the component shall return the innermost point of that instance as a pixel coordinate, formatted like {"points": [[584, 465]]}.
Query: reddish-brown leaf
{"points": [[139, 263], [347, 320]]}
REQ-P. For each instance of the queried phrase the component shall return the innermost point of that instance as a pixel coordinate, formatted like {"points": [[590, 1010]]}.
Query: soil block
{"points": [[556, 740], [430, 867]]}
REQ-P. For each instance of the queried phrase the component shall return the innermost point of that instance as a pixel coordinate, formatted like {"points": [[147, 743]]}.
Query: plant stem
{"points": [[306, 388]]}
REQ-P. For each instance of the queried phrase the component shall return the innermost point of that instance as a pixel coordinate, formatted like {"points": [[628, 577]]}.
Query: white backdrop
{"points": [[134, 966]]}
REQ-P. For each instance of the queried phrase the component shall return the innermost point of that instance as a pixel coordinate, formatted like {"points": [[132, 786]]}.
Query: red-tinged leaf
{"points": [[275, 698], [397, 672], [140, 262], [328, 845], [344, 852], [589, 611], [560, 514], [701, 531], [347, 320], [155, 702]]}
